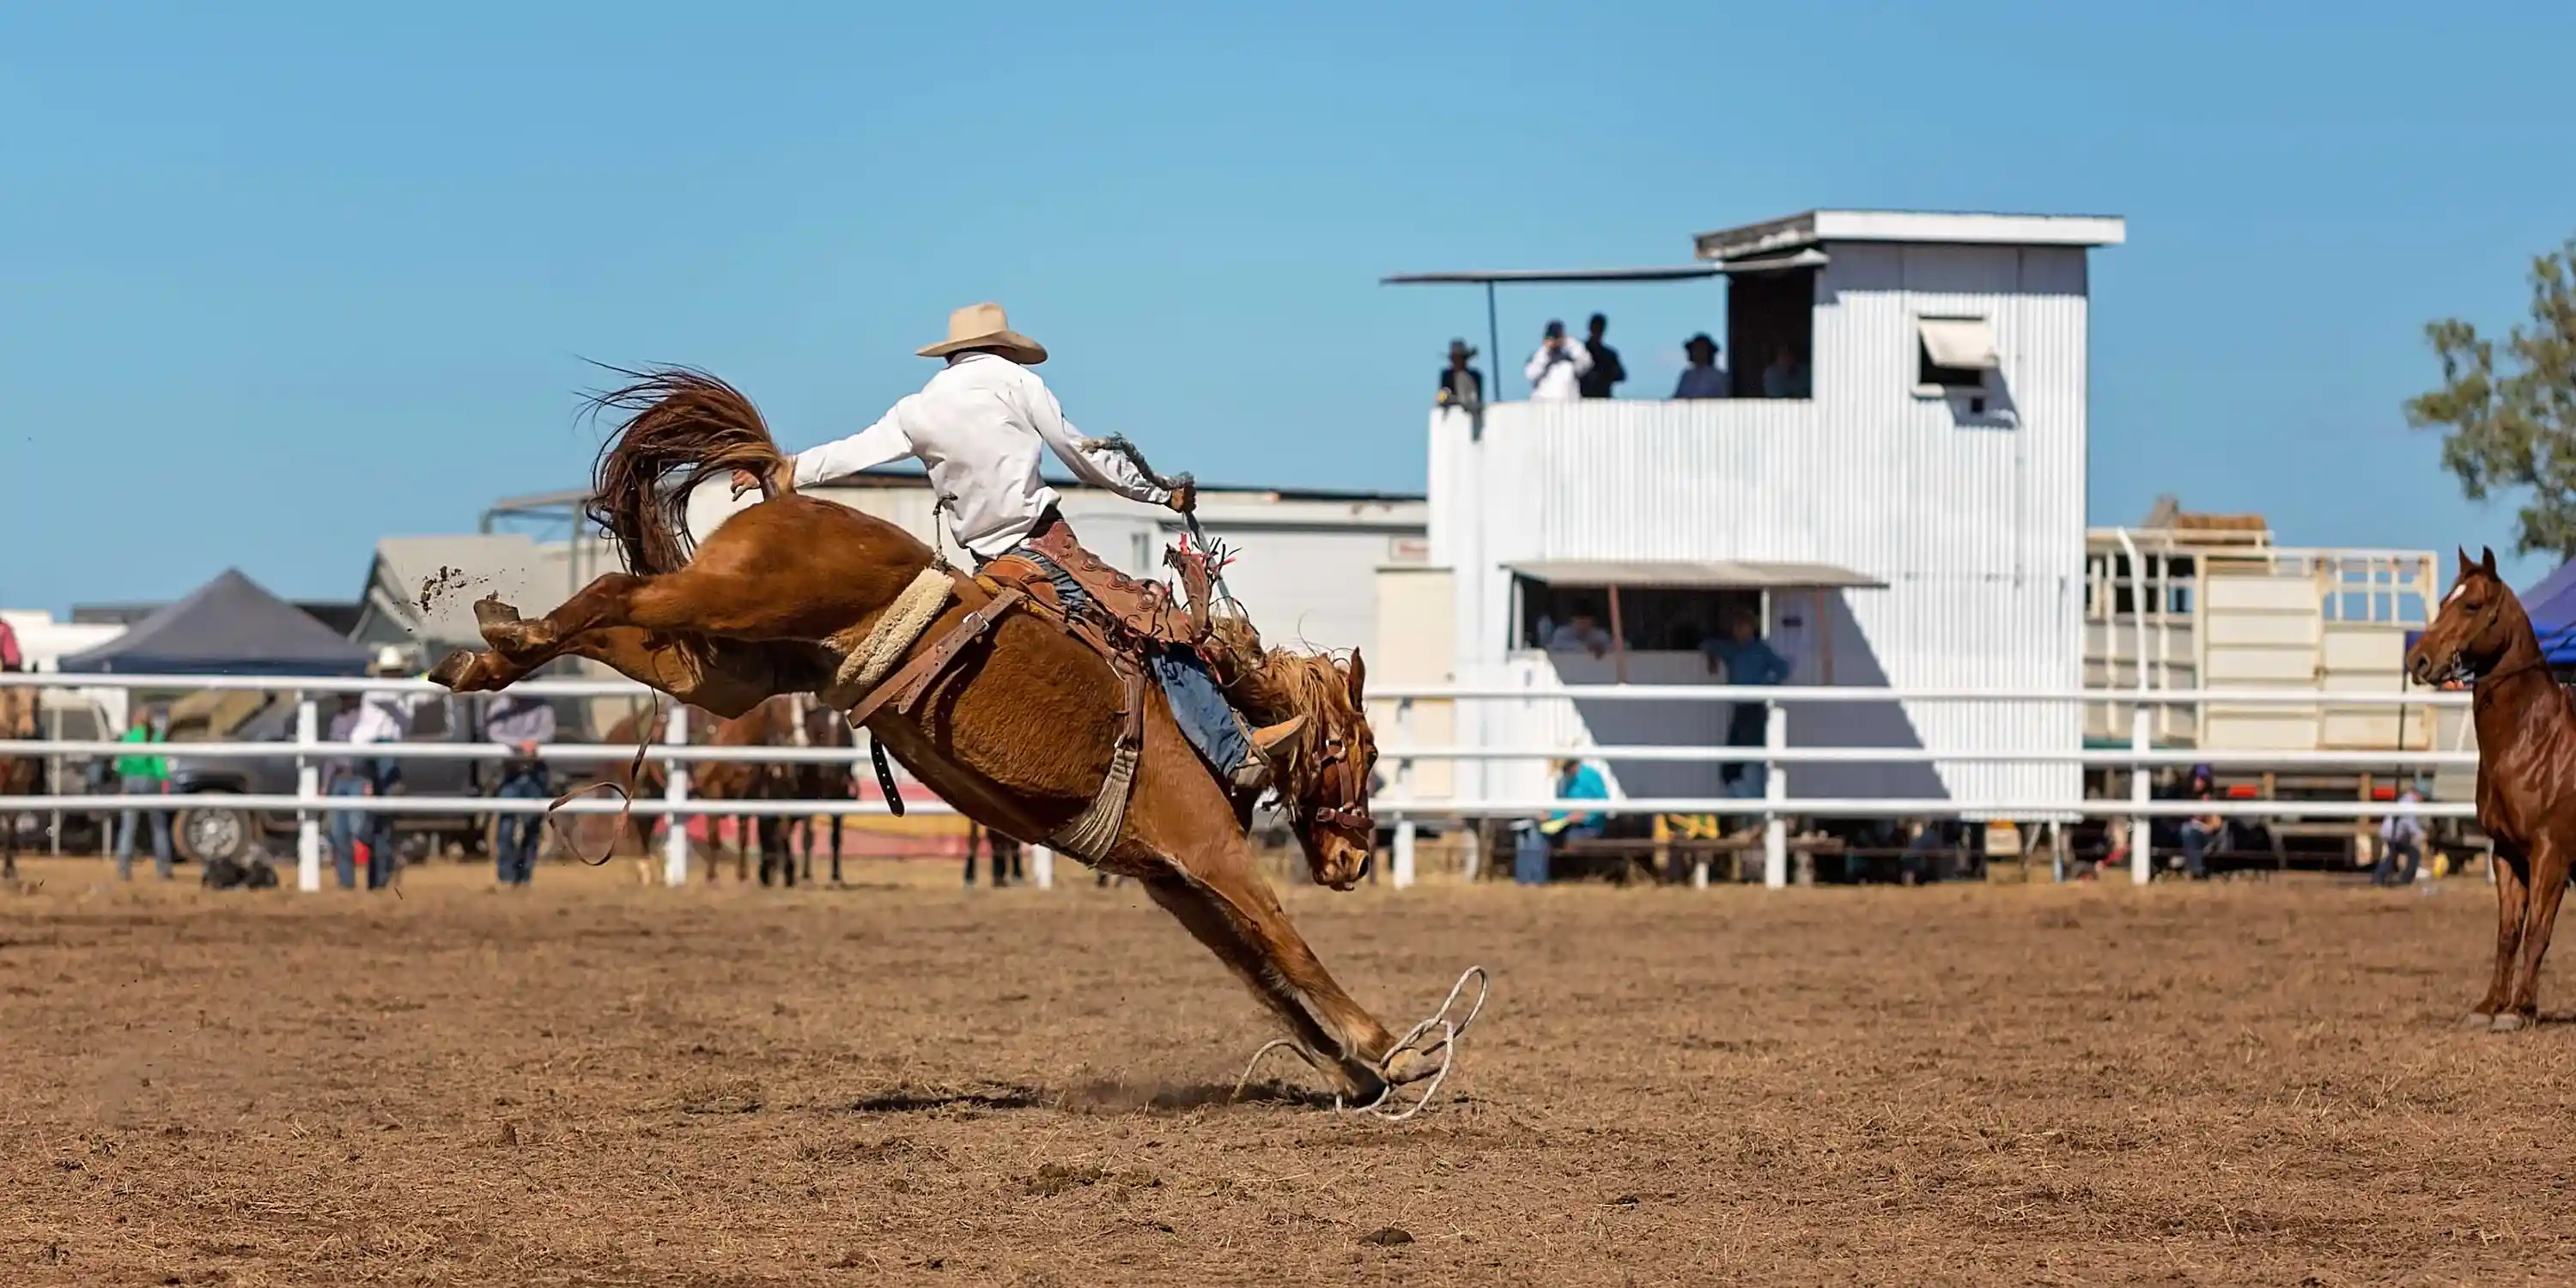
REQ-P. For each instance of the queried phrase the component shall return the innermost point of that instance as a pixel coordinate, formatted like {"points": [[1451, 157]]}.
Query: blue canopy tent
{"points": [[229, 626], [2552, 607]]}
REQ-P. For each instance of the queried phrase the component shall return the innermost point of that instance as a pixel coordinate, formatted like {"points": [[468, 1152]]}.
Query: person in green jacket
{"points": [[143, 774]]}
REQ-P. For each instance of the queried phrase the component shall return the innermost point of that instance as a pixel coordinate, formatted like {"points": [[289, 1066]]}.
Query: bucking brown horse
{"points": [[1007, 712], [2526, 728]]}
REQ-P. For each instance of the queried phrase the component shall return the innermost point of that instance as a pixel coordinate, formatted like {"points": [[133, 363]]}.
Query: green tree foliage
{"points": [[2513, 427]]}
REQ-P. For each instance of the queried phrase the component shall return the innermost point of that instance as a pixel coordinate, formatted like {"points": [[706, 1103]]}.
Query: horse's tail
{"points": [[681, 426]]}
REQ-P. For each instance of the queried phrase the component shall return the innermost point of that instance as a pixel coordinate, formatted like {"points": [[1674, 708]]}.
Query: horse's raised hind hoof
{"points": [[2507, 1022], [509, 634], [458, 671]]}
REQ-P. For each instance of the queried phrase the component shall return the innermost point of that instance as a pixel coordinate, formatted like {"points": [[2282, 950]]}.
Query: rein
{"points": [[625, 802], [2538, 663]]}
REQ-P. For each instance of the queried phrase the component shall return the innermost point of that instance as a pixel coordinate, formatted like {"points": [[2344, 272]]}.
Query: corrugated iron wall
{"points": [[1975, 521]]}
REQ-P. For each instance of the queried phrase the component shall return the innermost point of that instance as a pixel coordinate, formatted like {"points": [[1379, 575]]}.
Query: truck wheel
{"points": [[205, 834]]}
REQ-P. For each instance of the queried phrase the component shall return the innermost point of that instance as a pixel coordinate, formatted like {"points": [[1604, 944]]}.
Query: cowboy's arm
{"points": [[1090, 462], [878, 444]]}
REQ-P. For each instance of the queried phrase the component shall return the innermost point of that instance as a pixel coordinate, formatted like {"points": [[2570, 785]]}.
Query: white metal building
{"points": [[1917, 520]]}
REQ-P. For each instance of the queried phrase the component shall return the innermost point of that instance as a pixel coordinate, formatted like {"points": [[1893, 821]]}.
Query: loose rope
{"points": [[625, 798], [1387, 1105], [1118, 444]]}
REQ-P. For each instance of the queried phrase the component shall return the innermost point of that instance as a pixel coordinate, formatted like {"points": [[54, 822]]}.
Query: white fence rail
{"points": [[1773, 807]]}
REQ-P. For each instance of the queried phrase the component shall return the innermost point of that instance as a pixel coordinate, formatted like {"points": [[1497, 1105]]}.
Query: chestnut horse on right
{"points": [[2526, 728]]}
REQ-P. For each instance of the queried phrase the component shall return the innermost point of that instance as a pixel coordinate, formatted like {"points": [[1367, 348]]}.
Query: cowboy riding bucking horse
{"points": [[1044, 694], [981, 427]]}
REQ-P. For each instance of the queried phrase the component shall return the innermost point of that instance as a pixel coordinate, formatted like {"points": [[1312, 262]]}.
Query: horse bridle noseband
{"points": [[2486, 622], [1355, 818]]}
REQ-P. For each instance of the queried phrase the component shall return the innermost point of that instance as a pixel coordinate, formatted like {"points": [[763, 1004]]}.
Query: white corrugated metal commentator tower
{"points": [[1905, 507]]}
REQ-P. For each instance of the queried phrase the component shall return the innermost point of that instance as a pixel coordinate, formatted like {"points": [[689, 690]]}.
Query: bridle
{"points": [[1340, 771], [2471, 678]]}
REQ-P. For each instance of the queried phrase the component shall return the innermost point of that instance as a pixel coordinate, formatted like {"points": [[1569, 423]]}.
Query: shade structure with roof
{"points": [[1888, 488], [229, 626]]}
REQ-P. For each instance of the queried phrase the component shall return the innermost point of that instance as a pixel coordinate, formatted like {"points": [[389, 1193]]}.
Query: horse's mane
{"points": [[1276, 684]]}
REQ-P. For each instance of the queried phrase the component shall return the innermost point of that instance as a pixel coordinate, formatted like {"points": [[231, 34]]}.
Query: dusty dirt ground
{"points": [[596, 1083]]}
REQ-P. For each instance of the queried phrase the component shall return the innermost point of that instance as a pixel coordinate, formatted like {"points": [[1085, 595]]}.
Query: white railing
{"points": [[1774, 806]]}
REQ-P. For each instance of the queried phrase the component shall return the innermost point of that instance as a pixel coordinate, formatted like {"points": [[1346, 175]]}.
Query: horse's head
{"points": [[2479, 622], [1325, 783]]}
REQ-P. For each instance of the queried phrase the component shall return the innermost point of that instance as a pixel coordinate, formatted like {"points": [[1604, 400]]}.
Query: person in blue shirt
{"points": [[1575, 781], [1746, 659]]}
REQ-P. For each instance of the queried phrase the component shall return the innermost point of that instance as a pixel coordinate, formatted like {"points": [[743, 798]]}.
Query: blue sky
{"points": [[277, 280]]}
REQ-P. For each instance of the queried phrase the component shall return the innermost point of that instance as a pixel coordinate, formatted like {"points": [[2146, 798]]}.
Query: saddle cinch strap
{"points": [[1090, 835]]}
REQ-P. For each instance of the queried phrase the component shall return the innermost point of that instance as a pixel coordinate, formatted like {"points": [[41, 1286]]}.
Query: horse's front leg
{"points": [[2545, 883], [2512, 888]]}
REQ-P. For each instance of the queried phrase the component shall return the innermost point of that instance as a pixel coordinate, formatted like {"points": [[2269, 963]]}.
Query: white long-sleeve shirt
{"points": [[387, 717], [1557, 375], [980, 426]]}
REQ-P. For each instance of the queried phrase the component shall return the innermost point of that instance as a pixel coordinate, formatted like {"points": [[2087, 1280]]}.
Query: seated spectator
{"points": [[2401, 837], [1703, 378], [1580, 634], [1786, 377], [1575, 781], [2201, 833]]}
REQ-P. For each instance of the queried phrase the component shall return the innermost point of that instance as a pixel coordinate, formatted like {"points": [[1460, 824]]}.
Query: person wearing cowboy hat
{"points": [[384, 715], [1461, 385], [1702, 378], [981, 427]]}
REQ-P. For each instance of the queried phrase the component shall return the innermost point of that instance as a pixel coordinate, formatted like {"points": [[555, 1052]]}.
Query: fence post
{"points": [[675, 843], [2142, 850], [308, 795], [1403, 873], [1775, 791], [1042, 867]]}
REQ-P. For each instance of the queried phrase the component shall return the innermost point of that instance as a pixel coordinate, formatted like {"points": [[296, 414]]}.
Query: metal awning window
{"points": [[1649, 577], [1960, 344], [1684, 574]]}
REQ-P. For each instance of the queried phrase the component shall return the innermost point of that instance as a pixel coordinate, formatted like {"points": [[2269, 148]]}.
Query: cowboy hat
{"points": [[389, 661], [983, 326]]}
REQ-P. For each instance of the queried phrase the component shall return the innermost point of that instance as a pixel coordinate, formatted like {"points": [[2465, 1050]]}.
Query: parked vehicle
{"points": [[212, 830]]}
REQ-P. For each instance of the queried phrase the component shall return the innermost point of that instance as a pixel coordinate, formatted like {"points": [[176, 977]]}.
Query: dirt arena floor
{"points": [[596, 1083]]}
